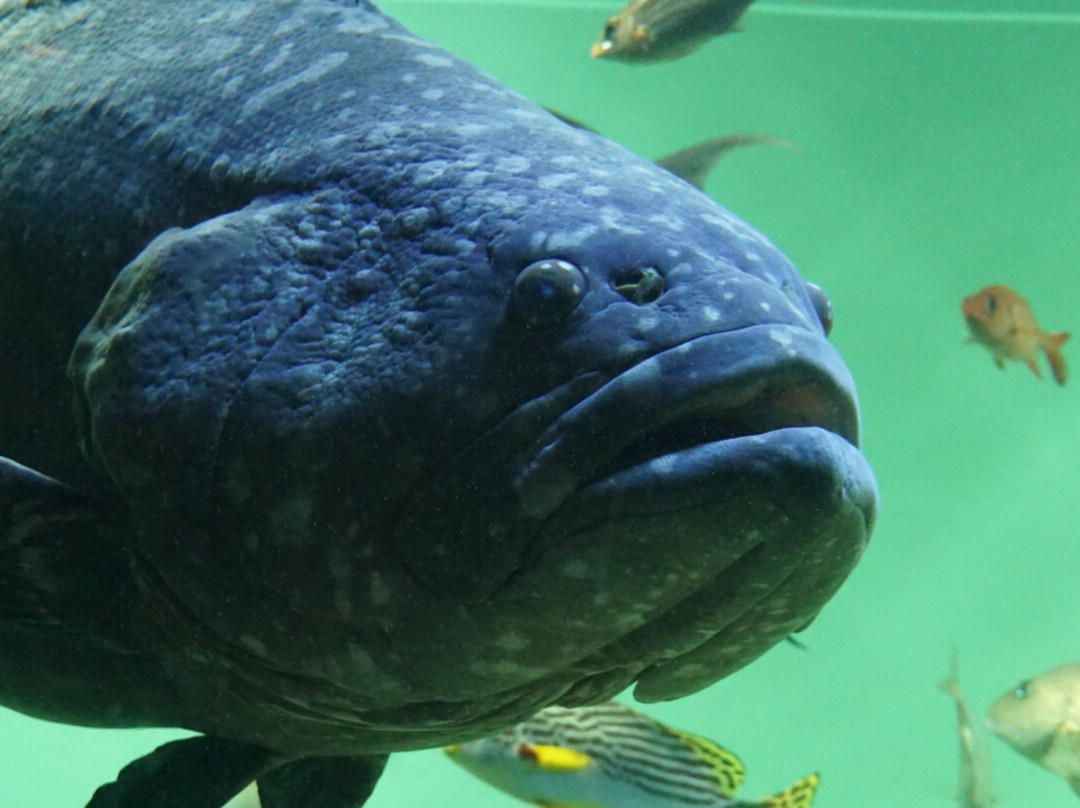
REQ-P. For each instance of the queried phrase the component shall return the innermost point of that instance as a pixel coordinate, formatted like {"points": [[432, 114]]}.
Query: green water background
{"points": [[940, 155]]}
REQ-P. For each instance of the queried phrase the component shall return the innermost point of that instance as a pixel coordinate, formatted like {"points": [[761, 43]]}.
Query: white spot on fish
{"points": [[765, 306], [474, 178], [550, 181], [343, 603], [309, 75], [565, 241], [512, 165], [752, 256], [433, 94], [781, 336], [729, 295], [252, 644], [470, 130], [380, 592], [278, 60], [511, 642], [596, 190], [433, 60], [575, 569], [709, 314]]}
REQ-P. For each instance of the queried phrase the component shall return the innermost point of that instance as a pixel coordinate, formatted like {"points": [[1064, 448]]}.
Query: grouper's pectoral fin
{"points": [[68, 650], [200, 772], [37, 513], [321, 782]]}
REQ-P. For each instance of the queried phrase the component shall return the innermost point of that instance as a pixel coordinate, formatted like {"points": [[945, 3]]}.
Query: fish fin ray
{"points": [[727, 767], [798, 795], [1051, 345]]}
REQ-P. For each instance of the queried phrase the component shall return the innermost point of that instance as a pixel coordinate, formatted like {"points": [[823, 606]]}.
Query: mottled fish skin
{"points": [[610, 756], [658, 30], [376, 501]]}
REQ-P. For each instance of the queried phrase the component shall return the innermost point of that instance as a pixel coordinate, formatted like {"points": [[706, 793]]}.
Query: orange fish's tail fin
{"points": [[1051, 345]]}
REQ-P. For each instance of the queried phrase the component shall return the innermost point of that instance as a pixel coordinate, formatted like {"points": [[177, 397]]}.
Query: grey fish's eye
{"points": [[822, 305], [545, 292], [1022, 689], [641, 286]]}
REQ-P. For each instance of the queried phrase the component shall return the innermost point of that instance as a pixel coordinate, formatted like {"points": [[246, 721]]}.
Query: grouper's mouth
{"points": [[753, 407], [692, 510]]}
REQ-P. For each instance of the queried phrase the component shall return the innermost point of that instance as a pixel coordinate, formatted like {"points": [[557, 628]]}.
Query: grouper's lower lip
{"points": [[714, 388]]}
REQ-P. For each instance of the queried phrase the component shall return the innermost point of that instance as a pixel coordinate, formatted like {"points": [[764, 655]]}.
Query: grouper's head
{"points": [[497, 415]]}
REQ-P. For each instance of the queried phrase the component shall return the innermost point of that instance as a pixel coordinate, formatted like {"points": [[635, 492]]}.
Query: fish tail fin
{"points": [[1051, 345], [950, 685], [799, 794]]}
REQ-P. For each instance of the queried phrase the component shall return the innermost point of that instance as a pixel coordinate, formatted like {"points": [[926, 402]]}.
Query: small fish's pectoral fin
{"points": [[1000, 363], [798, 795], [1031, 363], [553, 758]]}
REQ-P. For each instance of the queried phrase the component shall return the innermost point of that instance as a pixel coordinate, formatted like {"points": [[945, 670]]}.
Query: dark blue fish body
{"points": [[409, 408]]}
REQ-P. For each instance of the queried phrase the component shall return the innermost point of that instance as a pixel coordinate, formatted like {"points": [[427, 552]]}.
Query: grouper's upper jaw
{"points": [[679, 518]]}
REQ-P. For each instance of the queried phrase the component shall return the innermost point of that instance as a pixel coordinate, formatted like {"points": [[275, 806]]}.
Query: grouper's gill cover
{"points": [[371, 479]]}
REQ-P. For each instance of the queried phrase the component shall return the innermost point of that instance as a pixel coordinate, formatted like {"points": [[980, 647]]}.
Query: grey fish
{"points": [[402, 409], [695, 163], [976, 784]]}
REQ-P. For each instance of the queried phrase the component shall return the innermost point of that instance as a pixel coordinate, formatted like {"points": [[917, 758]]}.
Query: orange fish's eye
{"points": [[609, 32], [1022, 689], [991, 304]]}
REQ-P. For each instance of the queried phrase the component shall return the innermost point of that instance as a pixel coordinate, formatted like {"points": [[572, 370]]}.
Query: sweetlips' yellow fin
{"points": [[555, 758], [798, 795], [726, 766]]}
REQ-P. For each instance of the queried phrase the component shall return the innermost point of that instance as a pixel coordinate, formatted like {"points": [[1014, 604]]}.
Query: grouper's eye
{"points": [[822, 305], [545, 292]]}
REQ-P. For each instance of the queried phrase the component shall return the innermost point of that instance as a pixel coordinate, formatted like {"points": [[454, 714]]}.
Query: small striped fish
{"points": [[610, 756]]}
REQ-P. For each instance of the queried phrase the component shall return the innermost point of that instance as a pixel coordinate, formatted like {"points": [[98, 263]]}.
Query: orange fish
{"points": [[1002, 321]]}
